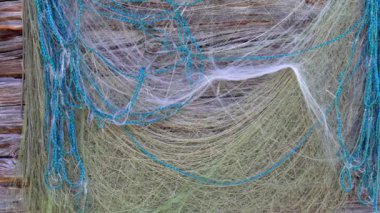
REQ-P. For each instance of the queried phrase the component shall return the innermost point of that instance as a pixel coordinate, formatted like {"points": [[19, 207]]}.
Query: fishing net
{"points": [[200, 106]]}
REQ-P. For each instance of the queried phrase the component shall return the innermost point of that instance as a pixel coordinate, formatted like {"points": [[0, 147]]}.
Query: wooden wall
{"points": [[10, 104]]}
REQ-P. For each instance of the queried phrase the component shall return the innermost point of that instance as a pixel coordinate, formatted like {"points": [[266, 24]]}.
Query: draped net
{"points": [[199, 106]]}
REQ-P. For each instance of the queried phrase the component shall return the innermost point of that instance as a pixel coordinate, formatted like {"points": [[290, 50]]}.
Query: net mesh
{"points": [[202, 106]]}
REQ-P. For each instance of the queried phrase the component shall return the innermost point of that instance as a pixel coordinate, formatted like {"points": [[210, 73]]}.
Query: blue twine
{"points": [[364, 158], [66, 73]]}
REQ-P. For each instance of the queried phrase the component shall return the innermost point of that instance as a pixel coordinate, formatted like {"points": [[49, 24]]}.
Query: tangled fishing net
{"points": [[200, 106]]}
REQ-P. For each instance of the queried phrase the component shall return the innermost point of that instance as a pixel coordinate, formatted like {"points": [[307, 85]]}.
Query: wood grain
{"points": [[10, 91], [9, 168], [10, 105], [10, 120], [10, 15], [11, 200], [9, 145], [10, 56], [11, 68], [10, 53]]}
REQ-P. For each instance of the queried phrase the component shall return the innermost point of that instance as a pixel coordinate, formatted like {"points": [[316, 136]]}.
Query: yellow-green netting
{"points": [[202, 106]]}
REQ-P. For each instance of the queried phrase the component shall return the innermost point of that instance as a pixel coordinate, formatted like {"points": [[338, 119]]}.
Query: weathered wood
{"points": [[9, 169], [10, 38], [10, 91], [10, 105], [10, 119], [11, 48], [10, 15], [9, 145], [11, 200], [11, 68], [10, 56]]}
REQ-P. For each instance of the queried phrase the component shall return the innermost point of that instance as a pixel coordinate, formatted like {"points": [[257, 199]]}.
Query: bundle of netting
{"points": [[200, 106]]}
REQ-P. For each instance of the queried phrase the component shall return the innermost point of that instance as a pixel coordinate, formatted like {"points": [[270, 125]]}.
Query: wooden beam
{"points": [[11, 56], [11, 48], [10, 91], [9, 145], [11, 200], [11, 15], [10, 38], [10, 120], [11, 68], [9, 169], [10, 173]]}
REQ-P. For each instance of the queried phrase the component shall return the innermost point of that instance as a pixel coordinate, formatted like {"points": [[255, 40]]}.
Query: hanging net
{"points": [[200, 106]]}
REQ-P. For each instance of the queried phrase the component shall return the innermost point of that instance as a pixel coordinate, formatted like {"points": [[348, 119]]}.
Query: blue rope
{"points": [[364, 158], [66, 74]]}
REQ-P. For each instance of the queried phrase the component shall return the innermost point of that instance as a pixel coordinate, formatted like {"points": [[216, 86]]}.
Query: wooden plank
{"points": [[10, 119], [9, 145], [10, 180], [10, 91], [9, 169], [10, 38], [11, 56], [11, 68], [11, 200], [11, 48], [10, 173], [10, 15]]}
